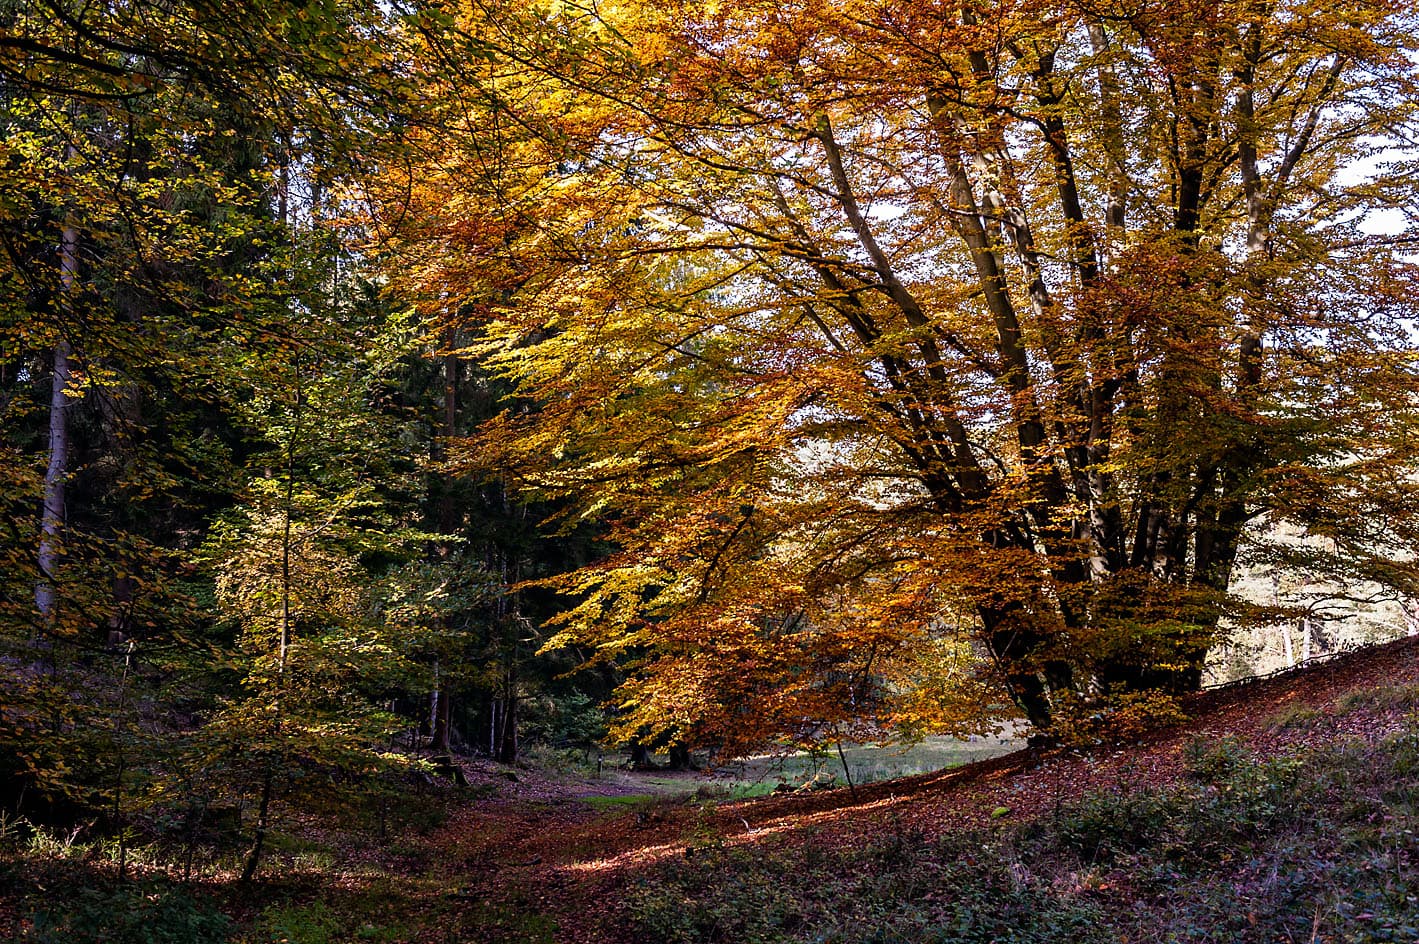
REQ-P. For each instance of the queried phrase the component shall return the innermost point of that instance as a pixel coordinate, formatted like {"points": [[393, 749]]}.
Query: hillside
{"points": [[585, 865], [1284, 809]]}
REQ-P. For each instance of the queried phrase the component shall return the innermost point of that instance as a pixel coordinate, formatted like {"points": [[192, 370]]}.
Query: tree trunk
{"points": [[507, 730], [640, 757], [439, 715], [493, 707], [447, 513], [447, 520], [263, 812], [52, 520], [681, 758], [1013, 647]]}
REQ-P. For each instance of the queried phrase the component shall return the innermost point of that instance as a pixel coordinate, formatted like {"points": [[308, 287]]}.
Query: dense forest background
{"points": [[386, 381]]}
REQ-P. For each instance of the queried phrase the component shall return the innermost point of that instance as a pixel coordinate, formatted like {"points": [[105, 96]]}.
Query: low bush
{"points": [[1295, 718], [133, 914]]}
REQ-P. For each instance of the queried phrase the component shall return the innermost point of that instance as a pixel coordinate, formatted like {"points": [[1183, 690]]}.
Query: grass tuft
{"points": [[1384, 698]]}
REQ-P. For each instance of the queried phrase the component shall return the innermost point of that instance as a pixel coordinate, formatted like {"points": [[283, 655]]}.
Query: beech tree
{"points": [[887, 336]]}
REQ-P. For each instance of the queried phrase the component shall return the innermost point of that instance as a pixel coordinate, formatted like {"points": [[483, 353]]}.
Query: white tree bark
{"points": [[52, 521]]}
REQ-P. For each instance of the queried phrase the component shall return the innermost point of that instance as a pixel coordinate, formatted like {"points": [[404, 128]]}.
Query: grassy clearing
{"points": [[1316, 847], [630, 801], [866, 763], [870, 763]]}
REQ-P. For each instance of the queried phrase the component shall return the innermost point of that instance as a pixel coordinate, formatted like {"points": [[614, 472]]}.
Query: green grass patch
{"points": [[867, 763], [629, 801], [748, 791], [1294, 718]]}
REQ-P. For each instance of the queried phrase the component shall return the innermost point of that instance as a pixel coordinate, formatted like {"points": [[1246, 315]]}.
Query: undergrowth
{"points": [[1316, 847], [128, 914], [79, 885]]}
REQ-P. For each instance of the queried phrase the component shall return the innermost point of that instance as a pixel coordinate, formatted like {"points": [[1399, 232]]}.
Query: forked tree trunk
{"points": [[640, 757]]}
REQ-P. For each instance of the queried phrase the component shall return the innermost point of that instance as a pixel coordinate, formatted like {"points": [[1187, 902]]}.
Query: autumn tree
{"points": [[315, 570], [887, 335]]}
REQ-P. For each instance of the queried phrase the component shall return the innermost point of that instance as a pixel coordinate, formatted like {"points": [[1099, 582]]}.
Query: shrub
{"points": [[312, 923], [1102, 827], [1384, 698], [127, 915], [1117, 718], [1213, 762]]}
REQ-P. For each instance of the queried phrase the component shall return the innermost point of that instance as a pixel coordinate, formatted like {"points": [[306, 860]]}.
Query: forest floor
{"points": [[621, 857], [539, 867]]}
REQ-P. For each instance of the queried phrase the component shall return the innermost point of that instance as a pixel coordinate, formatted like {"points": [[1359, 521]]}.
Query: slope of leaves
{"points": [[1304, 773]]}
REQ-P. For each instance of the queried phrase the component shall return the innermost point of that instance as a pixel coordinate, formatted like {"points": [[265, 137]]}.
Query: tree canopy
{"points": [[885, 336]]}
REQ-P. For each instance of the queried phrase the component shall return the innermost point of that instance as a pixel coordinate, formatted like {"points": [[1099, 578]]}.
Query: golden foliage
{"points": [[879, 333]]}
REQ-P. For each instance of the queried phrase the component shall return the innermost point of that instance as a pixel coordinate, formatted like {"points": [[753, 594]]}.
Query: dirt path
{"points": [[549, 866]]}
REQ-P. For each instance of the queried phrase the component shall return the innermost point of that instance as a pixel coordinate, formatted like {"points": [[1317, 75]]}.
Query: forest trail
{"points": [[545, 864]]}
